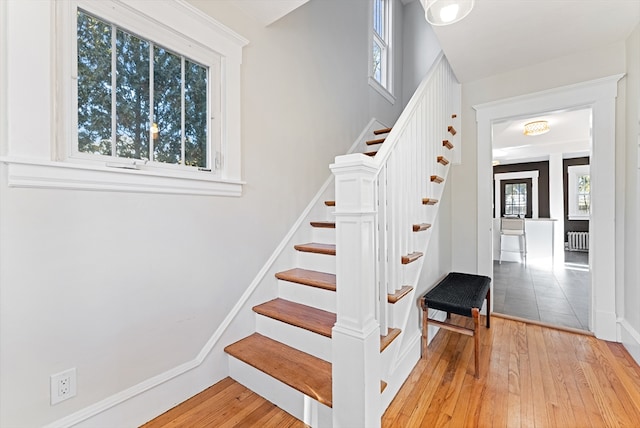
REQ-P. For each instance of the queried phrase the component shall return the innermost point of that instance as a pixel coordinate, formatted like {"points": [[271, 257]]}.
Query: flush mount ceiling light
{"points": [[445, 12], [536, 128]]}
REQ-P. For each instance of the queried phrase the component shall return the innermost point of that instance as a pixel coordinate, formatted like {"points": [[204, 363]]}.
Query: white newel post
{"points": [[356, 334]]}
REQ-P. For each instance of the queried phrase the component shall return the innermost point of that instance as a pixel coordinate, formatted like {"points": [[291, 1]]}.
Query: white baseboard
{"points": [[630, 339]]}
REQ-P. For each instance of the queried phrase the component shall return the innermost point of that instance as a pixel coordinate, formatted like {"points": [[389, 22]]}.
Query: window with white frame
{"points": [[380, 71], [138, 100], [146, 98], [579, 189]]}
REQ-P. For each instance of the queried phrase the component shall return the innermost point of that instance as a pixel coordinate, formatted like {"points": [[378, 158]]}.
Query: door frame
{"points": [[600, 96]]}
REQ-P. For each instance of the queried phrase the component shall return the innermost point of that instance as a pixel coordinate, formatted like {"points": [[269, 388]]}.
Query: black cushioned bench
{"points": [[462, 294]]}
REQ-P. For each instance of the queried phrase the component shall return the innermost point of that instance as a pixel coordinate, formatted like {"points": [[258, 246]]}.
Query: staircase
{"points": [[349, 298]]}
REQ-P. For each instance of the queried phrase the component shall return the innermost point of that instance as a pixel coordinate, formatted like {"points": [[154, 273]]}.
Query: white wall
{"points": [[631, 314], [421, 48], [127, 286]]}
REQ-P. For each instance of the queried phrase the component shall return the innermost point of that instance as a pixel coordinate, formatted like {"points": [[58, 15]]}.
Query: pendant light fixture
{"points": [[445, 12]]}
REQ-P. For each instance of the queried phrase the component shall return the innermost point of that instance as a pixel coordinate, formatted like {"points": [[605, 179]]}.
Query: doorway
{"points": [[553, 287], [598, 95]]}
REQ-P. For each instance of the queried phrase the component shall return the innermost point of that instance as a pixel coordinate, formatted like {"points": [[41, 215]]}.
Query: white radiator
{"points": [[578, 241]]}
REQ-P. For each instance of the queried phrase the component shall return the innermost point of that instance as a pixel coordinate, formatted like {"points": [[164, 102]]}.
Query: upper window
{"points": [[380, 71]]}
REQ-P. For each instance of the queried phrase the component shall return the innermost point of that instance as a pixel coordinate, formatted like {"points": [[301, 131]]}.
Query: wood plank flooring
{"points": [[531, 376]]}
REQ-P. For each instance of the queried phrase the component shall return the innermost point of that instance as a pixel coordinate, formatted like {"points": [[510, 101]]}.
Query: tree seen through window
{"points": [[160, 109]]}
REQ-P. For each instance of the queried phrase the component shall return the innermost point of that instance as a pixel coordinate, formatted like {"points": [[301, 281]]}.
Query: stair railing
{"points": [[378, 200]]}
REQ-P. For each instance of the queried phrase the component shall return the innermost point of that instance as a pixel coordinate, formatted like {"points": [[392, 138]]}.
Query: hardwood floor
{"points": [[530, 376]]}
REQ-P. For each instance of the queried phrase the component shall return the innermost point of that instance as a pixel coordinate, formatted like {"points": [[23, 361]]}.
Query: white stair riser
{"points": [[307, 295], [317, 262], [324, 234], [288, 399], [295, 337], [399, 310]]}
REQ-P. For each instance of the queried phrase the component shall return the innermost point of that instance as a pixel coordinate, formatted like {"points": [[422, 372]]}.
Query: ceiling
{"points": [[570, 135], [503, 35]]}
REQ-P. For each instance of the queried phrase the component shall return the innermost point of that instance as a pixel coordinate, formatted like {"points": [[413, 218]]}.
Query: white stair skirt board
{"points": [[295, 337], [406, 361], [325, 235], [317, 262], [307, 295], [288, 399]]}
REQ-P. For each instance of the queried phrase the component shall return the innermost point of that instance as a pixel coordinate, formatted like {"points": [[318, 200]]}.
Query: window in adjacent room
{"points": [[579, 197], [516, 199], [380, 74]]}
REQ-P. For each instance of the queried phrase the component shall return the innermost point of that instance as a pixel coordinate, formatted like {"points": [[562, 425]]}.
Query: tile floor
{"points": [[541, 293]]}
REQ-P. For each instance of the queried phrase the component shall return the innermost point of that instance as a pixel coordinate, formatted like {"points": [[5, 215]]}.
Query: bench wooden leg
{"points": [[475, 312], [489, 308], [425, 329]]}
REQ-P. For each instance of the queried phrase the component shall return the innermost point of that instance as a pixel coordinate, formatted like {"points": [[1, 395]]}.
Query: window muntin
{"points": [[158, 111]]}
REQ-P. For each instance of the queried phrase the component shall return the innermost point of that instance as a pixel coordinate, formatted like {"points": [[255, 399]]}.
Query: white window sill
{"points": [[382, 90], [63, 175], [578, 217]]}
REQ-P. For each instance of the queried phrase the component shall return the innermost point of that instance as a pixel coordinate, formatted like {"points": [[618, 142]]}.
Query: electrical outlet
{"points": [[63, 385]]}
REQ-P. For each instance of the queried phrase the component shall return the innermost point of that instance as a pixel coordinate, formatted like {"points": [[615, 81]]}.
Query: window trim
{"points": [[528, 182], [43, 162], [497, 178], [386, 90]]}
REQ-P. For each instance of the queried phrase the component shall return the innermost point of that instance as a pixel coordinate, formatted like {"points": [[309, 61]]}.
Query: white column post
{"points": [[556, 206], [356, 334]]}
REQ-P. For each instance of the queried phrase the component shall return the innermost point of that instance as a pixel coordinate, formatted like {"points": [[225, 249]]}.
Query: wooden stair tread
{"points": [[370, 153], [421, 226], [326, 281], [382, 131], [301, 371], [376, 141], [325, 224], [447, 144], [409, 258], [385, 341], [314, 247], [452, 130], [429, 201], [436, 179], [309, 318], [442, 160], [296, 314], [330, 203], [393, 298]]}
